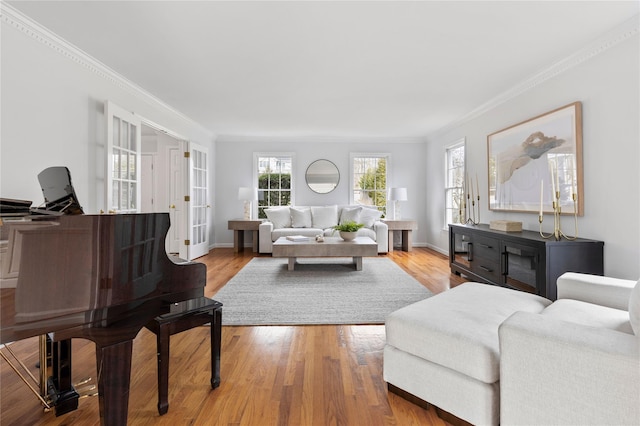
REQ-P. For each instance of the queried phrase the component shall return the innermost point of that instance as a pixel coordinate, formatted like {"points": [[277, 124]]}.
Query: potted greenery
{"points": [[348, 230]]}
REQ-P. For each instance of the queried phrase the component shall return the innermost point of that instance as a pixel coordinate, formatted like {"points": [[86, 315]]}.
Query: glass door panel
{"points": [[521, 267]]}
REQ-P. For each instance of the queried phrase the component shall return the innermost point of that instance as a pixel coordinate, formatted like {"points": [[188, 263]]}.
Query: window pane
{"points": [[274, 182], [369, 186], [454, 175]]}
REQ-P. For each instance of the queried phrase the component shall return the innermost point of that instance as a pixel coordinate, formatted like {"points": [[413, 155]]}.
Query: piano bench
{"points": [[184, 316]]}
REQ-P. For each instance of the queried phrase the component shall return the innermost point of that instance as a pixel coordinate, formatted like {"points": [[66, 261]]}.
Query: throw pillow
{"points": [[369, 217], [634, 309], [300, 217], [279, 216], [324, 217], [350, 214]]}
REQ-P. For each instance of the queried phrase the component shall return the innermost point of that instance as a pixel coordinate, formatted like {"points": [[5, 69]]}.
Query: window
{"points": [[274, 181], [369, 180], [454, 179]]}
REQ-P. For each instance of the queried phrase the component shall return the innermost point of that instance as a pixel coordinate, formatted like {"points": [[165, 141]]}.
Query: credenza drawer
{"points": [[488, 248]]}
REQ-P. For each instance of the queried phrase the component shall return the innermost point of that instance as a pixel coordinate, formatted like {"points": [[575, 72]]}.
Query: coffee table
{"points": [[331, 247]]}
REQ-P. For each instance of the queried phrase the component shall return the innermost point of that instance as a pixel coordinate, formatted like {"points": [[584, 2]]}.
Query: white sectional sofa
{"points": [[314, 220]]}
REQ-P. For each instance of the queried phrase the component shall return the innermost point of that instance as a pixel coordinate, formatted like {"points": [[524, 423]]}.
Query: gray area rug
{"points": [[319, 291]]}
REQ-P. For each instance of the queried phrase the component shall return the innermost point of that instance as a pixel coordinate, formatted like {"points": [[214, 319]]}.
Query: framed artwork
{"points": [[531, 160]]}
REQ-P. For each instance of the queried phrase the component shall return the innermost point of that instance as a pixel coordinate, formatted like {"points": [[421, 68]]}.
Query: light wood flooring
{"points": [[284, 375]]}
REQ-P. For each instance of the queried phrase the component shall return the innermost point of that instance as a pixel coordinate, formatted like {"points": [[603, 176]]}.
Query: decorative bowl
{"points": [[347, 236]]}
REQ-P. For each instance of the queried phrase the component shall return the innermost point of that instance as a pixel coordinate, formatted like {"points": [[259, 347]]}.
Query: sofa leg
{"points": [[444, 415]]}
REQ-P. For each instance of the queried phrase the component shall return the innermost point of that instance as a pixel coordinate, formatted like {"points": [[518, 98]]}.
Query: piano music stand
{"points": [[184, 316], [59, 196]]}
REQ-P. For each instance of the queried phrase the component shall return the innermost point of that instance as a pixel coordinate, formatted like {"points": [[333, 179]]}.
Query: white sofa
{"points": [[491, 355], [314, 220]]}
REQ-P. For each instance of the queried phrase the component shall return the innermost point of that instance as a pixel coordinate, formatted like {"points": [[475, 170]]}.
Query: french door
{"points": [[198, 211], [123, 163]]}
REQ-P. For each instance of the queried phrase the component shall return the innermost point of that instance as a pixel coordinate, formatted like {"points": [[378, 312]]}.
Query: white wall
{"points": [[234, 168], [608, 87], [53, 115]]}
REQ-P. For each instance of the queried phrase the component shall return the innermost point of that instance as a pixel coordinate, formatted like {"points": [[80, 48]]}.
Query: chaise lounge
{"points": [[491, 355]]}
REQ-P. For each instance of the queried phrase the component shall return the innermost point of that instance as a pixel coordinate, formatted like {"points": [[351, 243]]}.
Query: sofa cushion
{"points": [[458, 328], [324, 217], [634, 309], [279, 216], [366, 232], [369, 216], [350, 214], [285, 232], [300, 217], [578, 312]]}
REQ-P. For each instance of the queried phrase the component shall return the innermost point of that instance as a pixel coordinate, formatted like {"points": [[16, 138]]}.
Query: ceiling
{"points": [[328, 68]]}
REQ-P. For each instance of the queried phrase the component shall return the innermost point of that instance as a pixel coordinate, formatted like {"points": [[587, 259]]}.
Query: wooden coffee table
{"points": [[331, 247]]}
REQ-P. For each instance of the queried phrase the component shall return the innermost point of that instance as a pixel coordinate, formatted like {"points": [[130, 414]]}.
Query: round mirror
{"points": [[322, 176]]}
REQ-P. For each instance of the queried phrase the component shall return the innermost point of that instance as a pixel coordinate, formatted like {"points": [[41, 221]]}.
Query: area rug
{"points": [[318, 291]]}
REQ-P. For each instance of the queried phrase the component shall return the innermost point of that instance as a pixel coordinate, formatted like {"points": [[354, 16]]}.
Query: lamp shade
{"points": [[245, 193], [398, 194]]}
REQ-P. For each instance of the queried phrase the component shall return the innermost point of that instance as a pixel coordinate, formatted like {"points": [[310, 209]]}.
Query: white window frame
{"points": [[256, 174], [449, 188], [352, 178]]}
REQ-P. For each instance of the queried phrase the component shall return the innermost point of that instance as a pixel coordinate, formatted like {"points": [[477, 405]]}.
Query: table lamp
{"points": [[247, 195], [395, 195]]}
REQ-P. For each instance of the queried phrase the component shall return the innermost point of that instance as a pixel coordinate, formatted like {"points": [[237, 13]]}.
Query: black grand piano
{"points": [[102, 278]]}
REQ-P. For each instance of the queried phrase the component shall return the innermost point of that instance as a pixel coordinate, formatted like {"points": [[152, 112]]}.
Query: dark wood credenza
{"points": [[520, 260]]}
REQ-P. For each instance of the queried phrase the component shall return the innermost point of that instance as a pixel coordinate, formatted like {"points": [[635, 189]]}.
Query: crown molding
{"points": [[617, 35], [16, 19], [238, 138]]}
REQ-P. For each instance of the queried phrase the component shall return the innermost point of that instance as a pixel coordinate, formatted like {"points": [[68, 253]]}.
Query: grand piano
{"points": [[98, 277]]}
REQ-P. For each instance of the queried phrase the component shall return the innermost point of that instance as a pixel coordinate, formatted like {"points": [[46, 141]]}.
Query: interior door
{"points": [[123, 163], [177, 191], [148, 182], [198, 210]]}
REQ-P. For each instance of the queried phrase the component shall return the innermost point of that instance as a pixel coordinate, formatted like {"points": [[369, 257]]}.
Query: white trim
{"points": [[226, 138], [622, 32], [33, 29]]}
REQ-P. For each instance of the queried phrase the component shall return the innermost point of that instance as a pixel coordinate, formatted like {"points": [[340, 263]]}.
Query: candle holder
{"points": [[557, 211], [469, 218]]}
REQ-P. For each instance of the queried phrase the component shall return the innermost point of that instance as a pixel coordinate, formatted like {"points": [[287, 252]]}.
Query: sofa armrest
{"points": [[265, 243], [382, 236], [556, 372], [604, 291]]}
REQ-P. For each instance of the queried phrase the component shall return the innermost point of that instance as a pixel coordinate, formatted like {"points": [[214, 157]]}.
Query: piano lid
{"points": [[94, 270]]}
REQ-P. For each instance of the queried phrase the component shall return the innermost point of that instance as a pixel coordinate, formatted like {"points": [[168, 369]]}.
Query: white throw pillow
{"points": [[634, 309], [324, 217], [350, 214], [279, 216], [300, 217], [369, 217]]}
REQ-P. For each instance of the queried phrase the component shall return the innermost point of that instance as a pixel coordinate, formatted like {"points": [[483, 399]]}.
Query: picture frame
{"points": [[522, 159]]}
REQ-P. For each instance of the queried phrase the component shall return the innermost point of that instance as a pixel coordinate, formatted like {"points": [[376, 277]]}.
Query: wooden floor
{"points": [[271, 375]]}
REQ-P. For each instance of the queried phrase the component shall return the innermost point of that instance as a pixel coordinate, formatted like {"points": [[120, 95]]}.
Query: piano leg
{"points": [[59, 386], [216, 340], [114, 376], [162, 339]]}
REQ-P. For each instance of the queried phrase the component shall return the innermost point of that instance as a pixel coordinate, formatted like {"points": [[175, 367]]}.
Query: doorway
{"points": [[163, 183]]}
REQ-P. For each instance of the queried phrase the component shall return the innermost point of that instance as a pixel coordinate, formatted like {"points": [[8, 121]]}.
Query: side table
{"points": [[241, 225], [184, 316], [406, 226]]}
